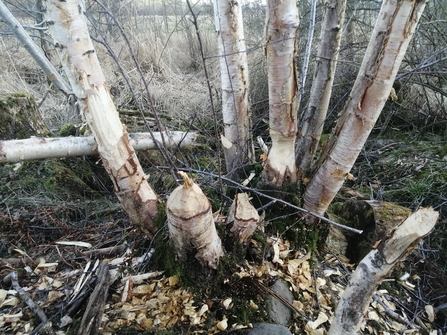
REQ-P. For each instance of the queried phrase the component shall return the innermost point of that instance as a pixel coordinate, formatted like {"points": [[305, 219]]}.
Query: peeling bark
{"points": [[191, 223], [312, 120], [237, 140], [68, 27], [282, 27], [375, 266], [394, 28], [243, 217]]}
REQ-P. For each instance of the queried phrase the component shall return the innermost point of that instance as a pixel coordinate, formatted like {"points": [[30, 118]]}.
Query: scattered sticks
{"points": [[13, 280]]}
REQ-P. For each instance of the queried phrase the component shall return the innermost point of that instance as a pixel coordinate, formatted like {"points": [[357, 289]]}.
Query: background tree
{"points": [[311, 121]]}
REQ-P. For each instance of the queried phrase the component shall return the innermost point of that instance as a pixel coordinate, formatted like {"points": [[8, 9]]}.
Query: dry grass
{"points": [[169, 60]]}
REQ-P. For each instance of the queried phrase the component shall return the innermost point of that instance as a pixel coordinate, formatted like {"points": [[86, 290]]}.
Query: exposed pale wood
{"points": [[68, 26], [376, 266], [282, 26], [392, 33], [191, 223], [58, 147], [243, 217]]}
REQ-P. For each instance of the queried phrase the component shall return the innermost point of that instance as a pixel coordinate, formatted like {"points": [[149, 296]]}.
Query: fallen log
{"points": [[58, 147]]}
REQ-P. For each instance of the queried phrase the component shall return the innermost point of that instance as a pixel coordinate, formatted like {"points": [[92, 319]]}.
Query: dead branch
{"points": [[105, 252], [95, 308], [59, 147], [13, 280]]}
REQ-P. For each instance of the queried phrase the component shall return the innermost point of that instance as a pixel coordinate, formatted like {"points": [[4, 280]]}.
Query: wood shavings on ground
{"points": [[156, 301]]}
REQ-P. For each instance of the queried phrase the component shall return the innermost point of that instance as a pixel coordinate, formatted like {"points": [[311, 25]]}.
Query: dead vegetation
{"points": [[70, 200]]}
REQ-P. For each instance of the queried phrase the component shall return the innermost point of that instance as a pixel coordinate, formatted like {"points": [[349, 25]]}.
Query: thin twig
{"points": [[162, 148], [393, 315], [262, 194], [210, 90], [283, 300]]}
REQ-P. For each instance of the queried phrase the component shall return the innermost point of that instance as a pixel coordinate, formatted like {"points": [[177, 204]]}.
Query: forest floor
{"points": [[59, 221]]}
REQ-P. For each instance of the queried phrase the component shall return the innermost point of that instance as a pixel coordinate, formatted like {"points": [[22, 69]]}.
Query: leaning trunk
{"points": [[69, 28], [237, 140], [389, 41], [282, 27], [375, 266], [312, 120]]}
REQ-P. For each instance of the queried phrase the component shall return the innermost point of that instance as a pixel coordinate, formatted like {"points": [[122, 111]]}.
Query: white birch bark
{"points": [[375, 267], [394, 28], [282, 26], [237, 141], [68, 28], [312, 120], [59, 147]]}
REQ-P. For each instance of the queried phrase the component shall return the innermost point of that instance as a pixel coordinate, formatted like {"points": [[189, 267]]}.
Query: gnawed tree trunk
{"points": [[59, 147], [312, 120], [243, 218], [237, 139], [282, 27], [375, 266], [394, 28], [67, 25], [191, 223]]}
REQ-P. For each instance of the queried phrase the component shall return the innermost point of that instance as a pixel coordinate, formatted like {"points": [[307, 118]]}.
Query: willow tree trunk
{"points": [[67, 25], [394, 28], [237, 139], [282, 27], [312, 120]]}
